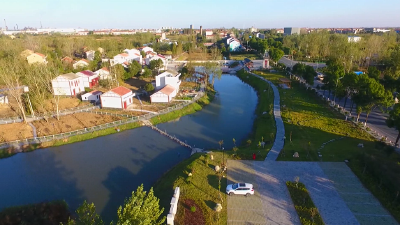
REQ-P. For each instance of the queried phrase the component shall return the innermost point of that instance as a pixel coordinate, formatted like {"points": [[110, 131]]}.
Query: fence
{"points": [[47, 115], [38, 140]]}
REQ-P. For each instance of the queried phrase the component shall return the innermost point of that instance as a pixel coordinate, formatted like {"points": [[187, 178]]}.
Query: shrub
{"points": [[105, 83], [193, 209], [148, 87]]}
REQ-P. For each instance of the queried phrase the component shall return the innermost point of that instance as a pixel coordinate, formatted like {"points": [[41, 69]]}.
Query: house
{"points": [[164, 95], [90, 79], [68, 84], [67, 60], [92, 97], [234, 44], [134, 54], [353, 39], [26, 53], [120, 59], [82, 63], [36, 58], [90, 55], [103, 73], [146, 49], [3, 99], [119, 98], [151, 57], [167, 78]]}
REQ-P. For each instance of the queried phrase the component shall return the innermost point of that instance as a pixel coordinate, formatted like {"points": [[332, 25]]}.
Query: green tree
{"points": [[147, 72], [173, 49], [394, 120], [373, 72], [155, 64], [309, 74], [212, 69], [275, 54], [134, 68], [148, 87], [86, 215], [141, 208], [143, 54]]}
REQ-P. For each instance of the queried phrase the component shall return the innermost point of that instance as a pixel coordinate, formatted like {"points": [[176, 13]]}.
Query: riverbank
{"points": [[192, 108], [264, 124]]}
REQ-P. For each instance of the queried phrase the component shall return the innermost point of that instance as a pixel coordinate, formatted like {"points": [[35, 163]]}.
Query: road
{"points": [[290, 63]]}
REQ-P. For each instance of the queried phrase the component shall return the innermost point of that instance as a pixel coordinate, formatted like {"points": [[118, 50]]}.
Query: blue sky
{"points": [[124, 14]]}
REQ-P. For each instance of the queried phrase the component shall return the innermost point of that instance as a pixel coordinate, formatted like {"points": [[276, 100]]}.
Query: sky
{"points": [[135, 14]]}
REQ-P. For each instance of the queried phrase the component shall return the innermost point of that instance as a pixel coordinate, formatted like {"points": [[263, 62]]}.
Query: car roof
{"points": [[245, 185]]}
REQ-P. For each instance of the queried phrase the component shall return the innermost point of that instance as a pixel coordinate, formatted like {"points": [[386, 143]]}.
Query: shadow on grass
{"points": [[213, 181], [210, 204]]}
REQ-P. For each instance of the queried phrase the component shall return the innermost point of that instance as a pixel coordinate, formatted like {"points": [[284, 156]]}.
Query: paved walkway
{"points": [[280, 128], [272, 203]]}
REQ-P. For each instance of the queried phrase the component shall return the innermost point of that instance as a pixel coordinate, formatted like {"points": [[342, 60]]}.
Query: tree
{"points": [[86, 215], [143, 54], [373, 72], [134, 68], [173, 49], [394, 120], [212, 69], [155, 64], [141, 208], [148, 87], [147, 72], [309, 74], [275, 54], [11, 75]]}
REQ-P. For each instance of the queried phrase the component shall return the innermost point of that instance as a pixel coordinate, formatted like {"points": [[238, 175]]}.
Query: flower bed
{"points": [[303, 203]]}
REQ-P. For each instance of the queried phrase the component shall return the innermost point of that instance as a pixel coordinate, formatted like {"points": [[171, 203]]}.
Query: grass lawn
{"points": [[310, 122], [303, 203], [241, 56], [202, 188], [264, 124]]}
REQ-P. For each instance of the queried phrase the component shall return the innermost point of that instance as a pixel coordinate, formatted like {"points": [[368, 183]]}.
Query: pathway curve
{"points": [[33, 130], [280, 128]]}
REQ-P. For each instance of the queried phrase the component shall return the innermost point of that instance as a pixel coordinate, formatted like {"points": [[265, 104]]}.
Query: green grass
{"points": [[202, 187], [192, 108], [303, 203], [241, 56], [264, 124]]}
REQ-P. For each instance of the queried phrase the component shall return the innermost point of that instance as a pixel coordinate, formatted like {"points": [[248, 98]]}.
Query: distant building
{"points": [[37, 58], [260, 35], [353, 39], [291, 30]]}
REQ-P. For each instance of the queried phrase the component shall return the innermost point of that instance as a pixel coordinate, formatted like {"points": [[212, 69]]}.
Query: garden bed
{"points": [[303, 203]]}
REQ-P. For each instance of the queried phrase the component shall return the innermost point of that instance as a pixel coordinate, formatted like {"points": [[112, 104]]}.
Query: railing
{"points": [[130, 119]]}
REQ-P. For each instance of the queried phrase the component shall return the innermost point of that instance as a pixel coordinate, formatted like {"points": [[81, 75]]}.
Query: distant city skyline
{"points": [[124, 14]]}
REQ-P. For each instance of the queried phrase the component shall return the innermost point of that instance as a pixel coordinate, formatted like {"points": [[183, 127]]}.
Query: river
{"points": [[107, 169]]}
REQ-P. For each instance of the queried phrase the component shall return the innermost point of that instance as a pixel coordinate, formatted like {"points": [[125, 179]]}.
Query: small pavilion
{"points": [[285, 82]]}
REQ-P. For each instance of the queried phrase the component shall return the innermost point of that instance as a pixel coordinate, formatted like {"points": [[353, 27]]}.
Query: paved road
{"points": [[290, 63]]}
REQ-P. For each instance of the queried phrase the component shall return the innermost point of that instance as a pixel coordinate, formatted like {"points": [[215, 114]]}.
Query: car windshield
{"points": [[234, 186]]}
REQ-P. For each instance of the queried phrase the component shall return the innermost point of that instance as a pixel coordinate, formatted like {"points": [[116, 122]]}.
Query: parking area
{"points": [[271, 203]]}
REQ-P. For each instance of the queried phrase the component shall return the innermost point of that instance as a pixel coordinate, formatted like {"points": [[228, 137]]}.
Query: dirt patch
{"points": [[65, 103], [71, 122], [192, 218], [15, 131], [136, 83], [6, 111]]}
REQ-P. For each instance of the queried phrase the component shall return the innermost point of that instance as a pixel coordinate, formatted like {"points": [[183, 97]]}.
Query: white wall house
{"points": [[166, 78], [90, 79], [68, 84], [164, 95], [103, 73], [134, 54], [353, 39], [80, 64], [167, 87], [146, 49], [93, 96], [120, 59], [90, 55], [119, 98]]}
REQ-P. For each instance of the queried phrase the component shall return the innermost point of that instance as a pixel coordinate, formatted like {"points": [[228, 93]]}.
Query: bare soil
{"points": [[65, 103], [71, 122], [192, 218], [6, 111], [15, 131], [136, 83]]}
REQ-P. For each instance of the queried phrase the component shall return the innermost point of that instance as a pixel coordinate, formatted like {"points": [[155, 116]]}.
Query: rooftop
{"points": [[121, 91], [168, 89], [69, 76], [87, 73]]}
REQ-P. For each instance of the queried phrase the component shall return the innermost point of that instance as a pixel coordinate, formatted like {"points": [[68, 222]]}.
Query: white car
{"points": [[240, 189]]}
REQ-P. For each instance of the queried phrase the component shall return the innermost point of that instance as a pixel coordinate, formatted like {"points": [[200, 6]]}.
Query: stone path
{"points": [[365, 207], [276, 207], [280, 128]]}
